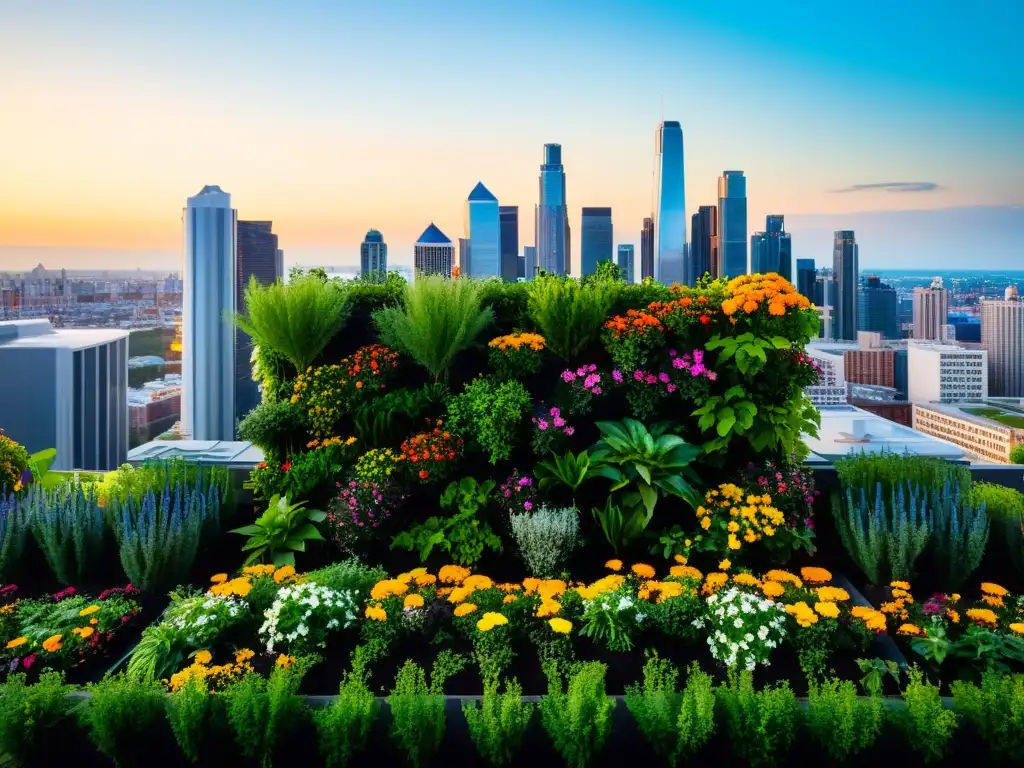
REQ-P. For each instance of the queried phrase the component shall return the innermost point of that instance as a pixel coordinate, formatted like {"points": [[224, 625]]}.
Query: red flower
{"points": [[286, 466], [424, 474], [28, 661]]}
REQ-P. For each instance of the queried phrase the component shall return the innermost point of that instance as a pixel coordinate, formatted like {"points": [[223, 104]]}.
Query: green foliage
{"points": [[570, 470], [344, 726], [996, 710], [767, 427], [122, 717], [313, 472], [15, 526], [348, 576], [498, 725], [606, 270], [70, 528], [569, 315], [129, 481], [545, 538], [749, 351], [675, 724], [926, 725], [14, 460], [842, 723], [1017, 454], [489, 414], [296, 319], [1005, 507], [438, 319], [577, 719], [31, 716], [760, 725], [866, 470], [464, 535], [276, 427], [280, 532], [417, 710], [262, 711], [873, 672], [959, 535], [387, 419], [195, 717]]}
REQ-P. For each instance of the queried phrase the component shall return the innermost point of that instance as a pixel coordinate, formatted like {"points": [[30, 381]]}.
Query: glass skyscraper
{"points": [[670, 203], [257, 257], [845, 277], [647, 249], [772, 250], [703, 238], [551, 220], [373, 256], [595, 239], [805, 277], [509, 218], [732, 224], [878, 308], [625, 263], [483, 230]]}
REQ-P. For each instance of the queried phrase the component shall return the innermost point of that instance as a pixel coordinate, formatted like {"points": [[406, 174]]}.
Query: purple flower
{"points": [[581, 371], [555, 412], [672, 353], [568, 376], [527, 505], [617, 376], [524, 481], [569, 431], [559, 422], [597, 390], [809, 523], [508, 495], [698, 355], [663, 377], [591, 380], [697, 370], [542, 424], [679, 363]]}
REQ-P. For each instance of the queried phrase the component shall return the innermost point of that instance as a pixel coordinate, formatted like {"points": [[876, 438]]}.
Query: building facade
{"points": [[508, 215], [257, 259], [71, 394], [209, 297], [625, 263], [595, 239], [772, 250], [483, 230], [647, 249], [805, 277], [931, 307], [669, 203], [373, 256], [552, 218], [703, 241], [433, 253], [845, 279], [732, 225], [465, 266], [944, 373], [984, 437], [878, 308], [529, 262], [1002, 336]]}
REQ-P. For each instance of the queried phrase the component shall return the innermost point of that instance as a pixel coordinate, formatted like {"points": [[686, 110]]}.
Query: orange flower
{"points": [[815, 575], [909, 629], [643, 570], [613, 565]]}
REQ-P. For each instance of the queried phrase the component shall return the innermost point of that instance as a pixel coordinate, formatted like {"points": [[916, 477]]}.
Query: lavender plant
{"points": [[960, 534], [69, 527], [14, 530]]}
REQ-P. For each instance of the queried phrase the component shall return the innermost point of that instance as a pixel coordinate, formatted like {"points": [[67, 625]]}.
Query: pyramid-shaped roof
{"points": [[434, 236], [481, 193]]}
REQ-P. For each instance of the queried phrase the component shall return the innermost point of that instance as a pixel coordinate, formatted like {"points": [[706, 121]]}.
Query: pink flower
{"points": [[581, 371], [670, 388], [672, 353], [697, 370], [638, 375], [555, 412], [591, 380], [524, 481], [527, 505], [762, 481], [617, 376], [663, 377], [651, 379], [782, 487], [711, 376], [679, 363], [597, 390], [570, 431], [559, 422], [778, 475], [542, 424], [591, 367], [568, 376], [698, 356], [29, 660]]}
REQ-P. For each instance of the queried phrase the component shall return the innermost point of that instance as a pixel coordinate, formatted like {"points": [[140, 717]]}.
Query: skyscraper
{"points": [[552, 217], [669, 203], [465, 265], [279, 263], [1002, 336], [805, 277], [625, 262], [483, 230], [732, 224], [433, 253], [778, 245], [595, 239], [257, 257], [529, 262], [508, 215], [878, 308], [209, 298], [703, 240], [845, 276], [373, 256], [931, 307], [647, 249]]}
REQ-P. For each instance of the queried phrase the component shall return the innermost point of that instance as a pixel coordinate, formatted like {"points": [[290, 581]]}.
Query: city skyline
{"points": [[925, 133]]}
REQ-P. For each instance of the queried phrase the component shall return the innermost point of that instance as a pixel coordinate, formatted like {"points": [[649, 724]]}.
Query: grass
{"points": [[1007, 419]]}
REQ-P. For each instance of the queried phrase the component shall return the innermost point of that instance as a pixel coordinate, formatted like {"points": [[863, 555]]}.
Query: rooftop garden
{"points": [[560, 520], [997, 414]]}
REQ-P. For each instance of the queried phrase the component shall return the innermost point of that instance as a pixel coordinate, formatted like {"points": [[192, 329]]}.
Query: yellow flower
{"points": [[203, 657], [243, 655], [773, 589], [982, 616], [643, 570], [52, 644], [782, 576], [388, 587], [464, 609], [828, 610], [491, 620], [685, 572], [284, 661], [413, 601], [815, 575], [548, 608], [83, 632], [219, 578], [613, 565], [258, 570], [746, 580], [284, 572], [1017, 627], [899, 584], [734, 543], [510, 598], [909, 629], [376, 613], [679, 559], [477, 582], [549, 589], [993, 589], [833, 594], [17, 641], [452, 574], [424, 579], [725, 565], [714, 582], [705, 523], [802, 613], [564, 627], [88, 611]]}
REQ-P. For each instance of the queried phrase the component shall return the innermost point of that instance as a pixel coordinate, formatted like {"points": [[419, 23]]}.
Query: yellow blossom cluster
{"points": [[491, 620], [213, 677], [532, 341], [750, 293], [729, 518], [873, 620]]}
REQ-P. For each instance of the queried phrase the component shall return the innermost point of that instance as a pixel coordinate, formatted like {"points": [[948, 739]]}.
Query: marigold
{"points": [[387, 588], [88, 611], [1017, 627], [982, 616], [815, 575], [549, 589], [773, 589], [243, 654], [17, 642], [477, 582], [238, 587], [510, 598], [491, 620], [873, 620], [284, 661], [413, 601], [424, 579], [953, 616], [258, 570], [899, 584], [784, 576], [83, 632], [452, 574], [724, 565], [464, 609], [459, 594], [530, 584], [832, 594], [284, 572], [376, 613], [679, 559], [614, 565], [746, 580], [563, 626], [993, 589], [802, 613], [52, 644], [203, 657], [910, 629], [219, 578], [643, 570], [995, 602], [827, 609], [548, 608], [685, 572], [714, 582]]}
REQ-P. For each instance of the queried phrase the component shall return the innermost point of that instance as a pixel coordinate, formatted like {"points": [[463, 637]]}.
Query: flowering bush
{"points": [[612, 617], [686, 377], [378, 466], [581, 386], [516, 354], [791, 490], [729, 519], [303, 615], [431, 454], [356, 513], [13, 464], [212, 677], [550, 430], [633, 339], [517, 494], [743, 629], [761, 298]]}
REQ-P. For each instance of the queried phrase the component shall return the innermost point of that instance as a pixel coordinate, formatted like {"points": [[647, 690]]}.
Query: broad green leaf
{"points": [[284, 558], [649, 497], [780, 342], [248, 530], [316, 515], [643, 471]]}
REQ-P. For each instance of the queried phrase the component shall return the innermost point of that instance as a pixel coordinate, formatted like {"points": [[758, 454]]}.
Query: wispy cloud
{"points": [[892, 186]]}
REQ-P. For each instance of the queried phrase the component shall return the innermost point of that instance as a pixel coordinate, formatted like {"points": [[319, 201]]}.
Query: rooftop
{"points": [[987, 413], [481, 194], [433, 236], [40, 334], [846, 429], [373, 236], [223, 453]]}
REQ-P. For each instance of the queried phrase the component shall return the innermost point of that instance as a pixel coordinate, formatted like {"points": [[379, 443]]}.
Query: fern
{"points": [[570, 315]]}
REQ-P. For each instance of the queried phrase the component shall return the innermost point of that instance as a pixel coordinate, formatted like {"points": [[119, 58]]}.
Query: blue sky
{"points": [[331, 118]]}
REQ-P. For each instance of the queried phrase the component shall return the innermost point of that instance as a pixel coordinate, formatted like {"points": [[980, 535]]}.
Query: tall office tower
{"points": [[778, 245], [67, 389], [647, 249], [805, 277], [596, 239], [279, 263], [669, 203], [845, 278], [1002, 336], [625, 263], [464, 262], [931, 307], [529, 262], [257, 257], [878, 308], [209, 298], [508, 215], [551, 221], [433, 253], [703, 240], [373, 256], [824, 300], [732, 224], [759, 261], [483, 230]]}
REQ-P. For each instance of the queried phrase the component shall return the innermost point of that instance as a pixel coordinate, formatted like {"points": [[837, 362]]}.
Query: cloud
{"points": [[893, 186]]}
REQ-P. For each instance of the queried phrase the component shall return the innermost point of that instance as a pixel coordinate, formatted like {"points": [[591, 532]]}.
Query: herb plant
{"points": [[760, 724], [570, 315], [122, 717], [417, 709], [195, 716], [842, 723], [545, 538], [14, 530], [926, 725], [33, 716], [70, 529], [1005, 507], [996, 710], [344, 727], [489, 413], [578, 718], [498, 724]]}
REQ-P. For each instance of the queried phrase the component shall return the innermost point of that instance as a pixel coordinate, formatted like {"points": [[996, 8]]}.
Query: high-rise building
{"points": [[931, 306], [552, 216], [732, 224], [483, 230], [257, 258], [647, 249], [279, 263], [465, 267], [772, 250], [595, 239], [529, 262], [433, 253], [67, 389], [878, 308], [373, 256], [508, 215], [625, 263], [209, 299], [946, 373], [669, 203], [845, 277], [1002, 336], [805, 277], [703, 240]]}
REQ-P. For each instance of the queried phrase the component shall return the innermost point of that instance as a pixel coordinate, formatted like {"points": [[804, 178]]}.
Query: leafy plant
{"points": [[577, 718], [749, 351], [437, 319], [296, 319], [70, 529], [842, 723], [570, 315], [960, 533], [122, 717], [417, 710], [760, 725], [385, 420], [570, 470], [276, 427], [344, 727], [498, 725], [873, 672], [996, 710], [611, 618], [545, 538], [465, 535], [489, 414], [1017, 454], [15, 526], [866, 470], [280, 532], [32, 717], [195, 717], [1005, 507], [926, 724]]}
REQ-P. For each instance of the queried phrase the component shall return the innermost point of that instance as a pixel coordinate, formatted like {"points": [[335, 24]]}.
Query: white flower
{"points": [[698, 623], [738, 623], [748, 637], [302, 630], [732, 610], [762, 633], [640, 617]]}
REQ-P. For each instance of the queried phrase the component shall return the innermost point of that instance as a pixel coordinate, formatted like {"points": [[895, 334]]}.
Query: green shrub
{"points": [[865, 470], [13, 463], [489, 414], [1005, 507], [926, 725], [996, 710], [344, 727], [545, 538], [569, 315], [14, 529], [498, 725], [70, 528], [348, 576], [122, 717], [277, 427], [196, 717], [31, 716], [577, 719], [1017, 454], [842, 723], [417, 710], [438, 319], [760, 725]]}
